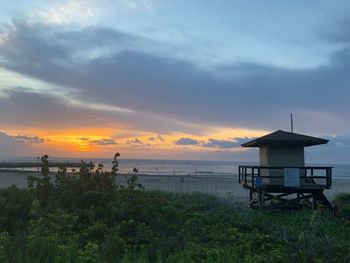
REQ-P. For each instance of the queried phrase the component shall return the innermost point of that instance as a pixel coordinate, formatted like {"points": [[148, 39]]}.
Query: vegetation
{"points": [[85, 216], [343, 203]]}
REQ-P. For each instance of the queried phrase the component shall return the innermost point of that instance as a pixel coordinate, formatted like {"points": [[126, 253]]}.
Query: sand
{"points": [[221, 186]]}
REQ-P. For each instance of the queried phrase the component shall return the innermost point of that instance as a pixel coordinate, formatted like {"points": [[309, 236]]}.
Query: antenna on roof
{"points": [[291, 122]]}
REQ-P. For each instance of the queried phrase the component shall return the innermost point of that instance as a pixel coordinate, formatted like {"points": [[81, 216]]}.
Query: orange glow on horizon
{"points": [[99, 142]]}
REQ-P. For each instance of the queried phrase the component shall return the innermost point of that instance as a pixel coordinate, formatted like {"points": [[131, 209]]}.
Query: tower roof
{"points": [[285, 138]]}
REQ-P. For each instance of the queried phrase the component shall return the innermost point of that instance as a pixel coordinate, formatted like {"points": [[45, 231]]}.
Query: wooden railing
{"points": [[247, 175]]}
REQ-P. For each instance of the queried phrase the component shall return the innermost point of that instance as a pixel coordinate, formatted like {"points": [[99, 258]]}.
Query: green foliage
{"points": [[5, 246], [343, 197], [85, 216], [15, 206], [42, 186], [343, 203]]}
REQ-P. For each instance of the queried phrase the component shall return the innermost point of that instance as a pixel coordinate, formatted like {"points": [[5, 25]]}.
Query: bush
{"points": [[86, 217], [342, 198], [15, 205], [343, 203]]}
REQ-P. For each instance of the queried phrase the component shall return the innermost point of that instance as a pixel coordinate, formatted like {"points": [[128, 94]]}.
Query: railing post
{"points": [[239, 174], [329, 177]]}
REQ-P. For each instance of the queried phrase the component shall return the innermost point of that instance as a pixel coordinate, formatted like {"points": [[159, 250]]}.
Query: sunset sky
{"points": [[172, 79]]}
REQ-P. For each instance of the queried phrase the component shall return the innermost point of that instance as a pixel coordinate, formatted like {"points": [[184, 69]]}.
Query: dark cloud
{"points": [[135, 142], [337, 151], [225, 144], [104, 141], [338, 34], [26, 107], [10, 146], [186, 141], [213, 143], [83, 139], [30, 139], [159, 137], [239, 95], [29, 108], [250, 95], [17, 145]]}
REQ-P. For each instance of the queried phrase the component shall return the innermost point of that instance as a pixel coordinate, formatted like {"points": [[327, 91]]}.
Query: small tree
{"points": [[42, 187]]}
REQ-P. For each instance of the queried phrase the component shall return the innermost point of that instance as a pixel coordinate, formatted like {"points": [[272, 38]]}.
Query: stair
{"points": [[321, 198]]}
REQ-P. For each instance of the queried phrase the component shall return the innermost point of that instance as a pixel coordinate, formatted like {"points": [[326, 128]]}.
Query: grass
{"points": [[186, 228], [85, 217]]}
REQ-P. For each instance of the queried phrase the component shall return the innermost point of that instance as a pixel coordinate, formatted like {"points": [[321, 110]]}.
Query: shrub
{"points": [[15, 205], [343, 204], [85, 216]]}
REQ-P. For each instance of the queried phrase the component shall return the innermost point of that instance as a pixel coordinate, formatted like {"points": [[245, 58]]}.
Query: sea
{"points": [[178, 167]]}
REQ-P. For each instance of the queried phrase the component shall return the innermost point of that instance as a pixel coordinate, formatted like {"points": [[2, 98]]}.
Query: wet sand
{"points": [[221, 186]]}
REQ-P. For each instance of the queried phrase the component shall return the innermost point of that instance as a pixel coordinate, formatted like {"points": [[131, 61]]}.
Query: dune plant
{"points": [[86, 216]]}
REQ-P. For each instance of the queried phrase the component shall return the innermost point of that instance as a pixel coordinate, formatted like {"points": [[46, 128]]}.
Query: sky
{"points": [[164, 79]]}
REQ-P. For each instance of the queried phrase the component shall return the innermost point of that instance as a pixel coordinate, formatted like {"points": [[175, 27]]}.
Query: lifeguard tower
{"points": [[282, 177]]}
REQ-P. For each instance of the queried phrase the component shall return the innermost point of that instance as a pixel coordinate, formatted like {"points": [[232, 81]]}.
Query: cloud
{"points": [[30, 139], [136, 143], [144, 5], [32, 109], [10, 146], [161, 138], [225, 144], [166, 94], [341, 140], [249, 95], [66, 12], [83, 139], [186, 141], [213, 143], [29, 108], [104, 142], [339, 34], [17, 144], [97, 70], [336, 151]]}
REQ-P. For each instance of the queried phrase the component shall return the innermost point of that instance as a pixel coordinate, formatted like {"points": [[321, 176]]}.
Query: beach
{"points": [[223, 186]]}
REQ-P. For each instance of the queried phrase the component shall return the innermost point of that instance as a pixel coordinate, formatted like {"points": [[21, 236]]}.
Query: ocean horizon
{"points": [[175, 167]]}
